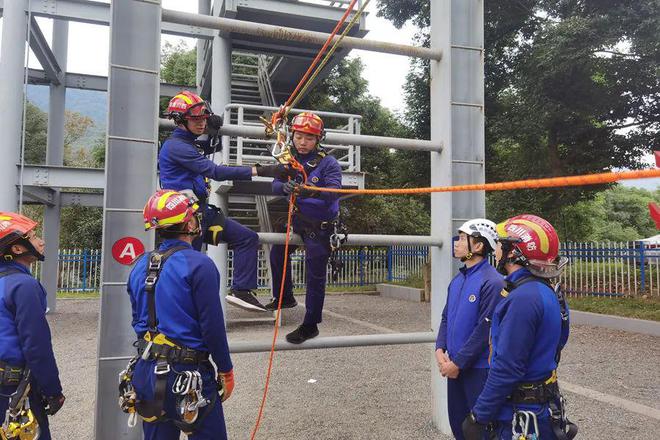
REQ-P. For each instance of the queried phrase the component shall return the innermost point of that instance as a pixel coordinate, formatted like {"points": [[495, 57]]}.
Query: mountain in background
{"points": [[90, 103]]}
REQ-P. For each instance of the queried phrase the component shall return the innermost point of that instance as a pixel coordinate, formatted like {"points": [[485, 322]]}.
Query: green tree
{"points": [[36, 126], [563, 78]]}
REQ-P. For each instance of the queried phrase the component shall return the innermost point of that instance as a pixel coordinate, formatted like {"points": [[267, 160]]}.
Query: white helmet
{"points": [[481, 227]]}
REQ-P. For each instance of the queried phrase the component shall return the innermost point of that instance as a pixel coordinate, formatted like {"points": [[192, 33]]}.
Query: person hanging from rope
{"points": [[184, 167], [178, 320], [462, 343], [31, 388], [314, 218], [521, 397]]}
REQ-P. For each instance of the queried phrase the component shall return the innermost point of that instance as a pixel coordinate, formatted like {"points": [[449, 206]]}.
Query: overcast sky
{"points": [[88, 51]]}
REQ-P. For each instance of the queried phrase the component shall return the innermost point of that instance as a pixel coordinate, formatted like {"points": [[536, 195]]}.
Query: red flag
{"points": [[657, 159], [655, 213]]}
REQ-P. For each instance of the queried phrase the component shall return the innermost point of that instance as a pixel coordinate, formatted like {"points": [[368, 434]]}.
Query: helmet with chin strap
{"points": [[14, 229], [534, 244]]}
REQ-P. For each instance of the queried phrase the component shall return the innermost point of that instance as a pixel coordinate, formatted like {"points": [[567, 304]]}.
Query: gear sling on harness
{"points": [[165, 351]]}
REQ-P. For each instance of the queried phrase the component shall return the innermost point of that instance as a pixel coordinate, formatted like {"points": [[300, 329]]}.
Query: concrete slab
{"points": [[400, 292]]}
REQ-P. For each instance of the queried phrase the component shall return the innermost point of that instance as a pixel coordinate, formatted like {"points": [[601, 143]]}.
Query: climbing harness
{"points": [[546, 392], [20, 422], [157, 347], [521, 424]]}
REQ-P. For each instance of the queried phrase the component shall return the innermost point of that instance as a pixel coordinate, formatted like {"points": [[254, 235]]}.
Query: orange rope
{"points": [[550, 182], [321, 52], [277, 318]]}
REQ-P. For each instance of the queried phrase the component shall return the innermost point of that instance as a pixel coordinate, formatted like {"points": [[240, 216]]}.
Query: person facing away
{"points": [[178, 320], [462, 342], [26, 351], [184, 167], [314, 217]]}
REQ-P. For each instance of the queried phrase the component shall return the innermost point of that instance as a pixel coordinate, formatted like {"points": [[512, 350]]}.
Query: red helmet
{"points": [[167, 208], [534, 242], [310, 123], [187, 105], [14, 227]]}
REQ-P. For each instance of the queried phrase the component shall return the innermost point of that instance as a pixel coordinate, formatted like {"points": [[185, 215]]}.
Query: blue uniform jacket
{"points": [[183, 166], [188, 306], [24, 332], [525, 336], [466, 318], [326, 174]]}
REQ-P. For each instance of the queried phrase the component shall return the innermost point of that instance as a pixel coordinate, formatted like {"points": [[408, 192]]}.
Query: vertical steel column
{"points": [[220, 97], [130, 170], [55, 156], [203, 8], [441, 203], [457, 98], [12, 64]]}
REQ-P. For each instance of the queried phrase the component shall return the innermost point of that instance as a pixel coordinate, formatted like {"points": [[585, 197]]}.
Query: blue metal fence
{"points": [[603, 268]]}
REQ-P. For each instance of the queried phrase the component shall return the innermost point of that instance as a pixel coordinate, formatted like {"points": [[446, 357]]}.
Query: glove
{"points": [[53, 404], [213, 124], [225, 384], [290, 187], [472, 429], [278, 171]]}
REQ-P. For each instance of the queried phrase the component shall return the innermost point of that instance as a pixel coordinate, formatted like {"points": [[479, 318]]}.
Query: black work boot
{"points": [[245, 299], [303, 333], [287, 303]]}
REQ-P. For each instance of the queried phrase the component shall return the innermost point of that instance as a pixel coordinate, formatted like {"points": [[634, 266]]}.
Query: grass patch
{"points": [[63, 294], [629, 307], [416, 281]]}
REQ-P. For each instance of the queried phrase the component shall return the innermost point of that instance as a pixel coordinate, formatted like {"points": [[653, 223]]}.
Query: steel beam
{"points": [[335, 342], [257, 132], [39, 195], [44, 54], [71, 198], [361, 239], [84, 81], [63, 177], [290, 34], [12, 61], [92, 12]]}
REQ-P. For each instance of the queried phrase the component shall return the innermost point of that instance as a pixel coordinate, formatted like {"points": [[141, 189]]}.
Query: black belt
{"points": [[535, 392], [313, 225], [10, 375], [175, 355]]}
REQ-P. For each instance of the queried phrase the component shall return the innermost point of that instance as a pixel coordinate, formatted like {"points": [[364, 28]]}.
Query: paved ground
{"points": [[379, 392]]}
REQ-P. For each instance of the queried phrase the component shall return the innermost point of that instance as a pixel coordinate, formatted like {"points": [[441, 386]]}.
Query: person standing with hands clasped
{"points": [[462, 343]]}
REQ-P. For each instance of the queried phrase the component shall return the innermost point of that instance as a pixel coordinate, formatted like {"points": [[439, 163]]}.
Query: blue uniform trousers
{"points": [[36, 405], [212, 427], [244, 242], [462, 393], [317, 253]]}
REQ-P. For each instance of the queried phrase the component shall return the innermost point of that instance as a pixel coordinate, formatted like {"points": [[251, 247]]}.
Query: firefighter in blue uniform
{"points": [[26, 352], [184, 167], [177, 317], [462, 343], [314, 219], [521, 397]]}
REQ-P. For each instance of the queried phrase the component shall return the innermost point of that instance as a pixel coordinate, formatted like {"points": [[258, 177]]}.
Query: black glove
{"points": [[472, 429], [289, 187], [278, 171], [53, 404], [213, 124]]}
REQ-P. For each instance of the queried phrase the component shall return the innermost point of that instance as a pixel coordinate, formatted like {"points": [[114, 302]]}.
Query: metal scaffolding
{"points": [[456, 145]]}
